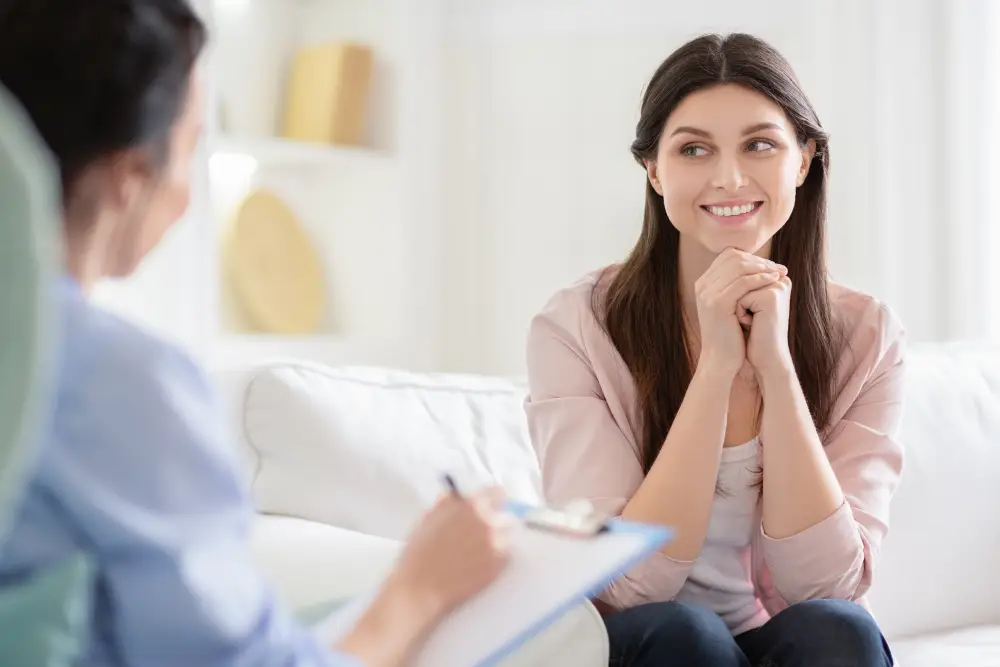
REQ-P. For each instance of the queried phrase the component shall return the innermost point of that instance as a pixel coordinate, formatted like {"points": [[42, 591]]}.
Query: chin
{"points": [[122, 270], [125, 263], [716, 244]]}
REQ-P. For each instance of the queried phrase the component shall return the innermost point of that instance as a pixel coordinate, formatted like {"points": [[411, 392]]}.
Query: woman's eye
{"points": [[693, 151], [760, 145]]}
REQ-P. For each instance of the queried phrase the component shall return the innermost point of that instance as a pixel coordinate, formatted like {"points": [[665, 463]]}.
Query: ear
{"points": [[808, 153], [129, 173], [653, 178]]}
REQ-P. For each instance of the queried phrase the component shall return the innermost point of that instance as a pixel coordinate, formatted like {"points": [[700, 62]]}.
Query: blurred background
{"points": [[406, 182]]}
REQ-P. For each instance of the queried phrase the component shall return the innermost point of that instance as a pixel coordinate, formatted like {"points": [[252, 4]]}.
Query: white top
{"points": [[720, 578]]}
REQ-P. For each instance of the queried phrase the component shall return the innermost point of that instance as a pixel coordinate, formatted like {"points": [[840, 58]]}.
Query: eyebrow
{"points": [[686, 129]]}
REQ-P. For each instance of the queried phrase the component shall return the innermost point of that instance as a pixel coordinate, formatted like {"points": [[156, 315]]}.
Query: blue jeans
{"points": [[817, 633]]}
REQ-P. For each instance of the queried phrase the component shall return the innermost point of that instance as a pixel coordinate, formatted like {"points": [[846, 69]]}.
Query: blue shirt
{"points": [[138, 468]]}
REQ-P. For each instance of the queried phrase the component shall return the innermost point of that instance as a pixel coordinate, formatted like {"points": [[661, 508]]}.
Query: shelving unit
{"points": [[277, 152], [359, 204]]}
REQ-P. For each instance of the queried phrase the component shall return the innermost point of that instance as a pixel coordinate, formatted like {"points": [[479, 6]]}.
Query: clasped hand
{"points": [[743, 303]]}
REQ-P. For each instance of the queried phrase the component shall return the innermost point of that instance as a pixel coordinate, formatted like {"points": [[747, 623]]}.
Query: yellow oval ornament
{"points": [[274, 268]]}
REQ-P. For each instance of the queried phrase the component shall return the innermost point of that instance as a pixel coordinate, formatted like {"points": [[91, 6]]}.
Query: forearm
{"points": [[800, 488], [393, 627], [680, 487]]}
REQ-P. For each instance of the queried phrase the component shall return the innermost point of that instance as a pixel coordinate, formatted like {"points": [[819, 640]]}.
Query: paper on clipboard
{"points": [[547, 575]]}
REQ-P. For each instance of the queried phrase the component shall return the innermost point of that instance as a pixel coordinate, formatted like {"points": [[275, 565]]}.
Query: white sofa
{"points": [[344, 460]]}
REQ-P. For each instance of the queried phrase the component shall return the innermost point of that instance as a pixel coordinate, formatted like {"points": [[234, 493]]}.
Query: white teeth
{"points": [[732, 210]]}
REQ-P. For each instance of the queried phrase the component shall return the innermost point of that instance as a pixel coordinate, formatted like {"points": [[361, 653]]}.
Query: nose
{"points": [[728, 174]]}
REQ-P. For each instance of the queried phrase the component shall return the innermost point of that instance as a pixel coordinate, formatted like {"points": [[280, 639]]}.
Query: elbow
{"points": [[657, 580], [849, 581], [626, 592]]}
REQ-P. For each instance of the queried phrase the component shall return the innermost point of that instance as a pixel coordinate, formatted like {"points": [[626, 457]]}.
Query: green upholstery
{"points": [[29, 219], [44, 618]]}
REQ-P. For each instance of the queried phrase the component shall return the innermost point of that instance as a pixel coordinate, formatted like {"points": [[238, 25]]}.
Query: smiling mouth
{"points": [[733, 213]]}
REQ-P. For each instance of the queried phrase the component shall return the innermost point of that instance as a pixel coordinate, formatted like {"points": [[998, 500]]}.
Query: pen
{"points": [[452, 486]]}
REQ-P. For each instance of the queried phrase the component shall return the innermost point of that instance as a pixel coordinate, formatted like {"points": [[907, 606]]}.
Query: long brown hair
{"points": [[640, 306]]}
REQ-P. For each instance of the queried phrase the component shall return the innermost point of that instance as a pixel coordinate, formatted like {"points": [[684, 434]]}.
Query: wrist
{"points": [[716, 369], [414, 598], [777, 376], [398, 620]]}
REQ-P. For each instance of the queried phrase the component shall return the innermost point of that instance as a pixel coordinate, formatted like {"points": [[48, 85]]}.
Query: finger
{"points": [[737, 266], [492, 496], [502, 528], [733, 255], [758, 299], [488, 502], [734, 294]]}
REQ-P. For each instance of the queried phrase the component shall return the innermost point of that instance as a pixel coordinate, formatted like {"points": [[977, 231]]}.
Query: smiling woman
{"points": [[694, 386]]}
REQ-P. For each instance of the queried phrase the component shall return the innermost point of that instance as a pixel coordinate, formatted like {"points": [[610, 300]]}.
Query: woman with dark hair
{"points": [[717, 382], [136, 468]]}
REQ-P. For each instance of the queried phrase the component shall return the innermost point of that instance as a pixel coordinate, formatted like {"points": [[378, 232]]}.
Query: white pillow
{"points": [[367, 448]]}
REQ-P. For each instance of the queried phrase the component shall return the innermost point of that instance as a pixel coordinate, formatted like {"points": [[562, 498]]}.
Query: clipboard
{"points": [[559, 558]]}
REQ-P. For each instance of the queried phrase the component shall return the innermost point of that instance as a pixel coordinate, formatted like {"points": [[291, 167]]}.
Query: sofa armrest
{"points": [[313, 564]]}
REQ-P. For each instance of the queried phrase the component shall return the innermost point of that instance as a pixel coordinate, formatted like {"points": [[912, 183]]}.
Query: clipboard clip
{"points": [[576, 519]]}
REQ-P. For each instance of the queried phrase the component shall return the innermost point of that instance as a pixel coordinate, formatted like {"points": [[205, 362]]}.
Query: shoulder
{"points": [[870, 331], [102, 354], [569, 315], [137, 444], [128, 397], [573, 307]]}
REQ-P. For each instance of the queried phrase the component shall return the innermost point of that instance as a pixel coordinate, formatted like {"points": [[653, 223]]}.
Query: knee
{"points": [[838, 632], [678, 633]]}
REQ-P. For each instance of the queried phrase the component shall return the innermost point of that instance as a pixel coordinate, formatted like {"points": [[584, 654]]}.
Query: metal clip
{"points": [[575, 519]]}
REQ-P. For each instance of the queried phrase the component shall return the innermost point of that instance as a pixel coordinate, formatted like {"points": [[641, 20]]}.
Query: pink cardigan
{"points": [[583, 421]]}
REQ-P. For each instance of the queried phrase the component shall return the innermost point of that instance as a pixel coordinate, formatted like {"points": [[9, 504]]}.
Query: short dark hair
{"points": [[99, 76]]}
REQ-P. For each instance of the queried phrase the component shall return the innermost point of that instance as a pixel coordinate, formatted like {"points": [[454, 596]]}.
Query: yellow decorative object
{"points": [[328, 94], [274, 269]]}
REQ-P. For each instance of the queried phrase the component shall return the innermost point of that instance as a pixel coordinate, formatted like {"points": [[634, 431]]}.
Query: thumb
{"points": [[744, 316]]}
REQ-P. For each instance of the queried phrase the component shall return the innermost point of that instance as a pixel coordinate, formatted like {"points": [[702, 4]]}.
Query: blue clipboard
{"points": [[579, 527], [558, 560]]}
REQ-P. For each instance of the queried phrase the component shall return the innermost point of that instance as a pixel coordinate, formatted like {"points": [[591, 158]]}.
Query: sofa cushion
{"points": [[366, 449], [969, 647], [940, 564]]}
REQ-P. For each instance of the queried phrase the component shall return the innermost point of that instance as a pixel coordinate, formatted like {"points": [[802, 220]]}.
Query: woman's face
{"points": [[728, 165], [153, 202]]}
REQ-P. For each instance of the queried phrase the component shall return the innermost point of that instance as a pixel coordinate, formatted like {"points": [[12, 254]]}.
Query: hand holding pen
{"points": [[459, 548]]}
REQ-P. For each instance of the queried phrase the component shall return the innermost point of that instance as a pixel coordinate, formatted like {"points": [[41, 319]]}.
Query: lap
{"points": [[668, 634]]}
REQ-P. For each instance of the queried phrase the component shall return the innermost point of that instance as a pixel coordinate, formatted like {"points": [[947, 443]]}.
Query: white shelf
{"points": [[278, 152], [265, 347]]}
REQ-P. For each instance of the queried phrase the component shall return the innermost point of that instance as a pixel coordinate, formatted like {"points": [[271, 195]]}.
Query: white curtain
{"points": [[914, 219]]}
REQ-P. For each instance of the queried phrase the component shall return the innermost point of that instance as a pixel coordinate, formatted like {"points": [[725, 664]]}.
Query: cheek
{"points": [[177, 190], [169, 204], [681, 189], [779, 181]]}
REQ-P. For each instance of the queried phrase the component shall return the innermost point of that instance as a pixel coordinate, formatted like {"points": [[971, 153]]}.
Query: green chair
{"points": [[44, 618]]}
